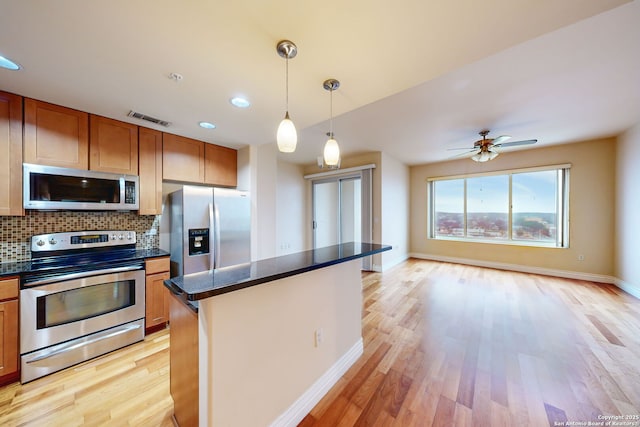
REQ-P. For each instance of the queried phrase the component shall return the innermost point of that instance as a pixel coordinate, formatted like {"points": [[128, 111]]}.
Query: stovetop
{"points": [[90, 260], [58, 254]]}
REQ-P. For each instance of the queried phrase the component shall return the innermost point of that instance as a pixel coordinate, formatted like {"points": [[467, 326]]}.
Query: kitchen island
{"points": [[272, 336]]}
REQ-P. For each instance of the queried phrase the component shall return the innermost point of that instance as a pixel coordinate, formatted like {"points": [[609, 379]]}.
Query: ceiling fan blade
{"points": [[461, 148], [499, 139], [516, 143], [467, 153]]}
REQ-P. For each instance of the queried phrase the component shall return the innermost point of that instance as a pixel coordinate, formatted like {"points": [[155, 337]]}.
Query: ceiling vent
{"points": [[149, 119]]}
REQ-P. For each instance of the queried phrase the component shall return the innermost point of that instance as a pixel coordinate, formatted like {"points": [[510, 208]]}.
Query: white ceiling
{"points": [[417, 76]]}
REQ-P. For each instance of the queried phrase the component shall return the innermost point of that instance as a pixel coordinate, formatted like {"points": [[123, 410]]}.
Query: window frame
{"points": [[562, 208]]}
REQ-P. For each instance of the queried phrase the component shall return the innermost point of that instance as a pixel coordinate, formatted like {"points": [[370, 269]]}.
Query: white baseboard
{"points": [[310, 398], [521, 268], [600, 278], [402, 258], [629, 288]]}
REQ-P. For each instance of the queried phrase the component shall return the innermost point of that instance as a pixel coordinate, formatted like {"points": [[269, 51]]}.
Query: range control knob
{"points": [[113, 237], [121, 237], [52, 241], [40, 242], [129, 236]]}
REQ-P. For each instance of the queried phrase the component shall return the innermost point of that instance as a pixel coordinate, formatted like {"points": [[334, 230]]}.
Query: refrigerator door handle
{"points": [[212, 247], [216, 217]]}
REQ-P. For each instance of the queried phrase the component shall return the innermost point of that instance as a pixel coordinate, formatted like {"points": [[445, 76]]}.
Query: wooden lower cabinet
{"points": [[183, 360], [9, 330], [156, 294]]}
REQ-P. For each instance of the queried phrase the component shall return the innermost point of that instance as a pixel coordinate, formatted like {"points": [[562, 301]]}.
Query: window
{"points": [[526, 206]]}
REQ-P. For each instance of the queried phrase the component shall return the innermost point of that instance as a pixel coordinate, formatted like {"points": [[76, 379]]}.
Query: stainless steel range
{"points": [[83, 297]]}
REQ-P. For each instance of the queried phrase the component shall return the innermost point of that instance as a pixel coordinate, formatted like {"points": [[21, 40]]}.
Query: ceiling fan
{"points": [[488, 149]]}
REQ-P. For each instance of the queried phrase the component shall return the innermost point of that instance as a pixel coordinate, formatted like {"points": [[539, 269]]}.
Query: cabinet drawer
{"points": [[156, 265], [9, 288]]}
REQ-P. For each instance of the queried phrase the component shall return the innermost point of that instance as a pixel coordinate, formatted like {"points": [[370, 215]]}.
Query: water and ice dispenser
{"points": [[198, 241]]}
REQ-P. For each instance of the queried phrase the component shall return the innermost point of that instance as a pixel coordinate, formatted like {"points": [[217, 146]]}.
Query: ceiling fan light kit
{"points": [[287, 137], [487, 149]]}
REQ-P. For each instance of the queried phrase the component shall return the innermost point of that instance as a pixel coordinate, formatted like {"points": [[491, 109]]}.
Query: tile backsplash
{"points": [[16, 231]]}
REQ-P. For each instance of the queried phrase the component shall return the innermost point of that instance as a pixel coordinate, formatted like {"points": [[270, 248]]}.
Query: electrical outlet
{"points": [[319, 337], [580, 257]]}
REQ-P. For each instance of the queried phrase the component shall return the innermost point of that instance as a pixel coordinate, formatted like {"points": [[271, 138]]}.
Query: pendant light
{"points": [[287, 137], [331, 148]]}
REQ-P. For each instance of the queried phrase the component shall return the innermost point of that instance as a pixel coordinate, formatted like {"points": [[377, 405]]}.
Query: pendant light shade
{"points": [[287, 137], [331, 148], [331, 152]]}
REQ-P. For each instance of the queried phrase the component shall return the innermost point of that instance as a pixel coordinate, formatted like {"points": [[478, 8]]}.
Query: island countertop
{"points": [[197, 286]]}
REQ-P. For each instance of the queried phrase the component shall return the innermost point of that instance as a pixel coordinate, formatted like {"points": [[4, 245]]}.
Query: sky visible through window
{"points": [[533, 210], [532, 192]]}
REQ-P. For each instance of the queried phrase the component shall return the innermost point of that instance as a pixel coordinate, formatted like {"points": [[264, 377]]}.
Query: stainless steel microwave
{"points": [[54, 188]]}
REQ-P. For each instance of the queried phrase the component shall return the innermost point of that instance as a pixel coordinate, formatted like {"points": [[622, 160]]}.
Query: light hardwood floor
{"points": [[444, 344], [128, 387]]}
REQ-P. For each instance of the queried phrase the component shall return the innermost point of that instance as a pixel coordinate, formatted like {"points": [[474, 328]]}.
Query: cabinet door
{"points": [[10, 154], [55, 136], [184, 363], [113, 146], [8, 337], [8, 327], [221, 166], [150, 171], [157, 300], [182, 159]]}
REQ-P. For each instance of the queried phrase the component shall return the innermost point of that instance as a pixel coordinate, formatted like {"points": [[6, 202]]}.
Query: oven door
{"points": [[69, 309]]}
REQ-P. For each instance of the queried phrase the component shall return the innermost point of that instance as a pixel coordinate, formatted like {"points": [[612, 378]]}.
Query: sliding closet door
{"points": [[326, 210], [337, 211], [342, 210]]}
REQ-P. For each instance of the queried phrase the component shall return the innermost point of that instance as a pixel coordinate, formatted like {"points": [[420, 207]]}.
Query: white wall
{"points": [[627, 230], [591, 211], [395, 210], [264, 182], [291, 210], [258, 352]]}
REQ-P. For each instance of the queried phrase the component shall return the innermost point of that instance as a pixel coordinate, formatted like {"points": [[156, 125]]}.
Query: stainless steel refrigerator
{"points": [[210, 228]]}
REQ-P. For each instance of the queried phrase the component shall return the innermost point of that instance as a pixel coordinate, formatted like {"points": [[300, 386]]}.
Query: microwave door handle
{"points": [[211, 238], [216, 217]]}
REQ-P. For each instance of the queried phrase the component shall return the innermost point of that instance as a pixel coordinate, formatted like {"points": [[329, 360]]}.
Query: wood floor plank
{"points": [[444, 344], [498, 347]]}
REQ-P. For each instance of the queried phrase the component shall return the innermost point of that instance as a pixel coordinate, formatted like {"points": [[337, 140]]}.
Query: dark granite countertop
{"points": [[20, 267], [197, 286]]}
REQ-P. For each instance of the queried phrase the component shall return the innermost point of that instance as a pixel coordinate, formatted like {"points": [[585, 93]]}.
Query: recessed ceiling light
{"points": [[8, 64], [238, 101], [207, 125]]}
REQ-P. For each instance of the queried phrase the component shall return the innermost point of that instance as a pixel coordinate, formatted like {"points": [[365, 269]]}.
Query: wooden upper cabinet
{"points": [[114, 146], [220, 166], [182, 159], [150, 171], [55, 135], [10, 154]]}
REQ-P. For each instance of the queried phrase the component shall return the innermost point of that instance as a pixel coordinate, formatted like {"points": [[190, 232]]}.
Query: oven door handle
{"points": [[79, 275], [70, 347]]}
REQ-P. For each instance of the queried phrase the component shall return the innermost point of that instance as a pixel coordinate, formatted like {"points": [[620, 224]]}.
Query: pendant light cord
{"points": [[287, 83], [331, 113]]}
